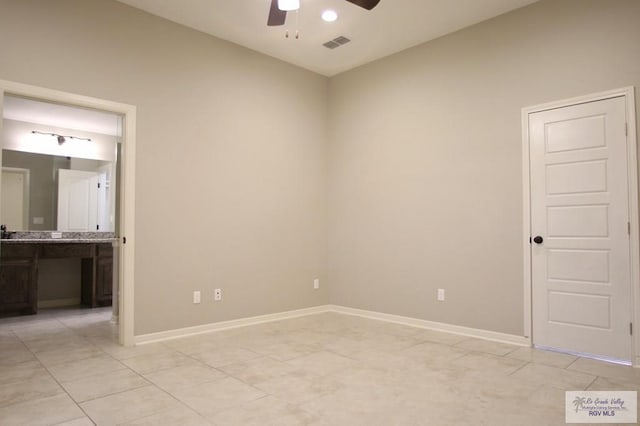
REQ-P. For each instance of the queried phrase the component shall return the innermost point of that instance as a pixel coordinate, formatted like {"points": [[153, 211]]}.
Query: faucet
{"points": [[5, 234]]}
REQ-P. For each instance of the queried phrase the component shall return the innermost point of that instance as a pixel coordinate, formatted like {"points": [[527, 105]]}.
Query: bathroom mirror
{"points": [[59, 167], [43, 192]]}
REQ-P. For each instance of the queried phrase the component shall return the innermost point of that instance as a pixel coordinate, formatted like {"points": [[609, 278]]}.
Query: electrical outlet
{"points": [[316, 284], [196, 297], [441, 295], [217, 294]]}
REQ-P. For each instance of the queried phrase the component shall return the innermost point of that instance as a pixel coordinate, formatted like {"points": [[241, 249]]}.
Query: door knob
{"points": [[538, 239]]}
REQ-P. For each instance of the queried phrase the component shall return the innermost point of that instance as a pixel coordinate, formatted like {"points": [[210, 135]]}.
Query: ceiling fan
{"points": [[277, 16]]}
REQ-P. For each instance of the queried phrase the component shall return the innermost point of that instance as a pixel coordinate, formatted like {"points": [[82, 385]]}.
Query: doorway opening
{"points": [[81, 136]]}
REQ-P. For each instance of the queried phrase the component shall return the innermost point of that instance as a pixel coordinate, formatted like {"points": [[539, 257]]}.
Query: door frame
{"points": [[127, 194], [632, 178]]}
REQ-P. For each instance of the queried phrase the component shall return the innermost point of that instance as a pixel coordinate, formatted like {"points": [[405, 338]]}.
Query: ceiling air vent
{"points": [[336, 42]]}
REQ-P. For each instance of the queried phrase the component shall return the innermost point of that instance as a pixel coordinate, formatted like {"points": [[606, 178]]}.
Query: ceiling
{"points": [[392, 26]]}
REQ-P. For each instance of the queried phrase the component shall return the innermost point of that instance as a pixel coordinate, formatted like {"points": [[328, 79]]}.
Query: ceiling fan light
{"points": [[329, 15], [288, 5]]}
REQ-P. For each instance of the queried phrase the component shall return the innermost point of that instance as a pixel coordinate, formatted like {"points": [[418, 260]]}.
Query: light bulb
{"points": [[287, 5], [329, 15]]}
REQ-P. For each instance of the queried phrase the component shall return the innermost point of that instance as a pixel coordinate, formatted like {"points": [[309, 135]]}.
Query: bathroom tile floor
{"points": [[64, 367]]}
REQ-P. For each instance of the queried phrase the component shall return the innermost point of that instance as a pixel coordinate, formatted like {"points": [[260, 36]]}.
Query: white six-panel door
{"points": [[581, 279]]}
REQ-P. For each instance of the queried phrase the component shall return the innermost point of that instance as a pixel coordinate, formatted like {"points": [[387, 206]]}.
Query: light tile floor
{"points": [[64, 367]]}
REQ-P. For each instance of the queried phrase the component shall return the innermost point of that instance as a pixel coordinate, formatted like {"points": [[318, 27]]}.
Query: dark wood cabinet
{"points": [[19, 273], [66, 250], [18, 286], [97, 276], [19, 279], [104, 278]]}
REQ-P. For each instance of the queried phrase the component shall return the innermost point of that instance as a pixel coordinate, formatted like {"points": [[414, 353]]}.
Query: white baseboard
{"points": [[58, 303], [226, 325], [396, 319], [436, 326]]}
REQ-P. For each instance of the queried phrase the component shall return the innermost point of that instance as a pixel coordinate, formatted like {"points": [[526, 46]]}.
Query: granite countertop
{"points": [[56, 240], [45, 237]]}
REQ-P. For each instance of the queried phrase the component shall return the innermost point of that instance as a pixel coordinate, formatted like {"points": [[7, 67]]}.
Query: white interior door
{"points": [[581, 278], [14, 210], [77, 200], [105, 197]]}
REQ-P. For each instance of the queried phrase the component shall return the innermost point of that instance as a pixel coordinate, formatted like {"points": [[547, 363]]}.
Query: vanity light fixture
{"points": [[61, 139], [329, 15]]}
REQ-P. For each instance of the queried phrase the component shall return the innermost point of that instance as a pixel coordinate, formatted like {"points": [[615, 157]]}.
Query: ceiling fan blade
{"points": [[276, 16], [367, 4]]}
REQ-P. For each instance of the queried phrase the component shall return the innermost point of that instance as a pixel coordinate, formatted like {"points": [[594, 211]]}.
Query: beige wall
{"points": [[230, 172], [425, 158]]}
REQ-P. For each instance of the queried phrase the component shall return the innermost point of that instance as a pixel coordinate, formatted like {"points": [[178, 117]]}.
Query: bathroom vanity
{"points": [[20, 254]]}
